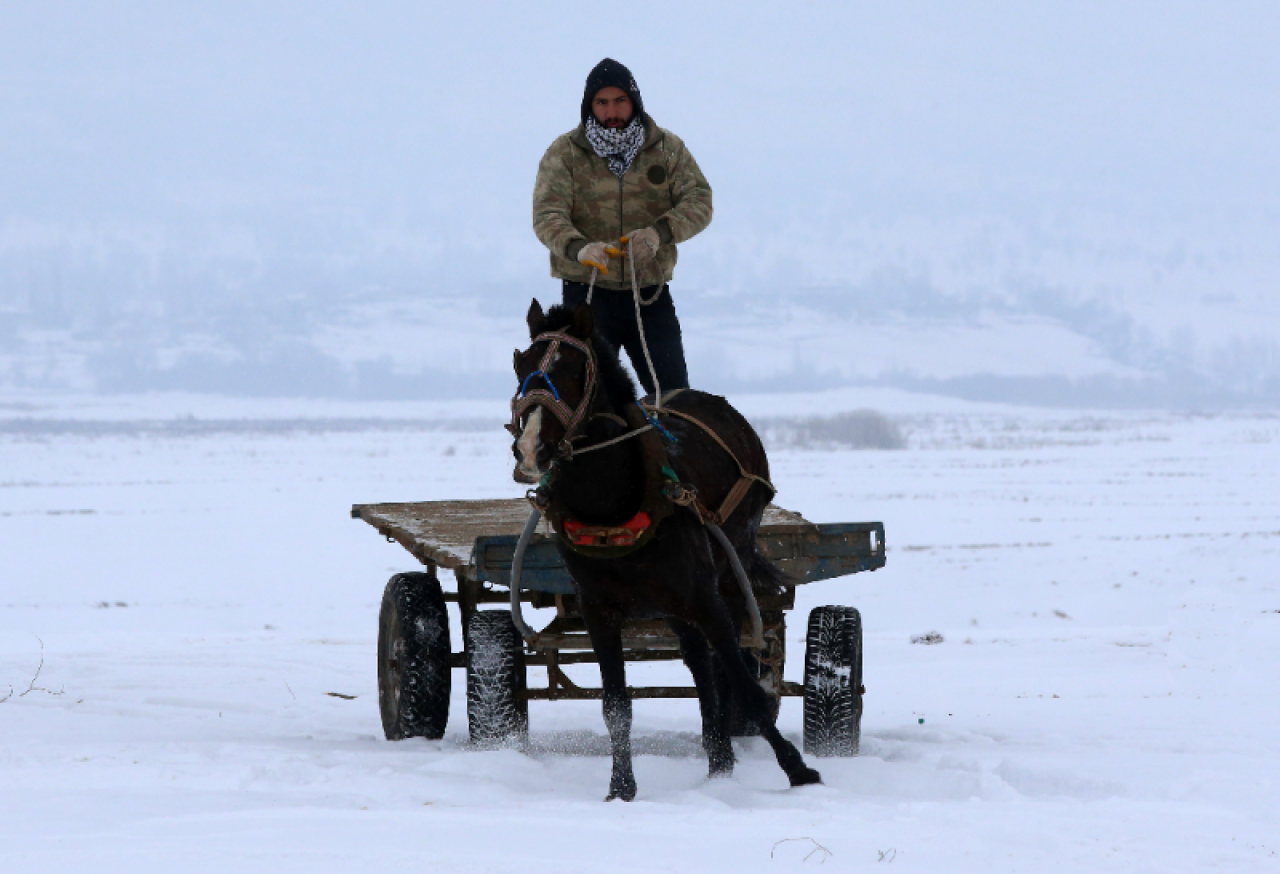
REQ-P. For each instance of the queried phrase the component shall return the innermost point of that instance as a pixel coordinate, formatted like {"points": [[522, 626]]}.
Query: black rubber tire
{"points": [[497, 705], [414, 678], [833, 682]]}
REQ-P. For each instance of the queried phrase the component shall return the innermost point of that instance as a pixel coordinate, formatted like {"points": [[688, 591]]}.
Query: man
{"points": [[620, 175]]}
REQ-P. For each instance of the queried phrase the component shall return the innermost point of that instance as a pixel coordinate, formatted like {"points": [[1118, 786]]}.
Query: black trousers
{"points": [[615, 317]]}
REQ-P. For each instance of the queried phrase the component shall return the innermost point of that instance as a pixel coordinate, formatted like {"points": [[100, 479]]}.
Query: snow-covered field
{"points": [[1105, 698]]}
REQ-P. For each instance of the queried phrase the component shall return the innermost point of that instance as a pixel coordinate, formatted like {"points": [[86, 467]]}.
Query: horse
{"points": [[574, 399]]}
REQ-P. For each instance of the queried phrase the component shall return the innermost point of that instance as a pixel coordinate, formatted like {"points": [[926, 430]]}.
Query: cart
{"points": [[476, 541]]}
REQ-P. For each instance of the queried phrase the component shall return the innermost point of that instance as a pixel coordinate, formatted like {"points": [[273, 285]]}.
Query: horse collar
{"points": [[580, 534], [614, 541]]}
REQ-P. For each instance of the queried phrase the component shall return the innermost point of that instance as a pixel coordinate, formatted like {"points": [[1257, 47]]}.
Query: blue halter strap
{"points": [[546, 377]]}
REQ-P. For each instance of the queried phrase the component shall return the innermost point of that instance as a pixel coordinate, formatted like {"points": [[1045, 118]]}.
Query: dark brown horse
{"points": [[574, 395]]}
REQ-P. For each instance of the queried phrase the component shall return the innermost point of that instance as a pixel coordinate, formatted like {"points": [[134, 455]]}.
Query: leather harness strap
{"points": [[570, 417], [659, 493], [740, 488]]}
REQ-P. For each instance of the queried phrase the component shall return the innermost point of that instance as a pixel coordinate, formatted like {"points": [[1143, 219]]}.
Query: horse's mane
{"points": [[618, 384]]}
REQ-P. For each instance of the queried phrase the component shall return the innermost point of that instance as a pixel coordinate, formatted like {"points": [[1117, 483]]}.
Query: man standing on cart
{"points": [[619, 187]]}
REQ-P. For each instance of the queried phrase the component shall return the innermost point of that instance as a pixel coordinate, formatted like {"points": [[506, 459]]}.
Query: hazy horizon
{"points": [[279, 197]]}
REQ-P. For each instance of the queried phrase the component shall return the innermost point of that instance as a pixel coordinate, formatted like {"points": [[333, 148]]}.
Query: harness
{"points": [[663, 489], [687, 495], [616, 541]]}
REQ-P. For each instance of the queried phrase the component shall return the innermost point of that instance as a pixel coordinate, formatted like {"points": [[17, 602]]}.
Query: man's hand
{"points": [[597, 255], [642, 245]]}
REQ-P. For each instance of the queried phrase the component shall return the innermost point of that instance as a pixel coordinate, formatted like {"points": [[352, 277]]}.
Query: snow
{"points": [[1104, 698], [1027, 204]]}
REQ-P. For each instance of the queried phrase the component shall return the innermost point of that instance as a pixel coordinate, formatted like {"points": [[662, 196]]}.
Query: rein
{"points": [[594, 446], [639, 302]]}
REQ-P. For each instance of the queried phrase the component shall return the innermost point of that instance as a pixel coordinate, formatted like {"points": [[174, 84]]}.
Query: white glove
{"points": [[642, 245], [597, 255]]}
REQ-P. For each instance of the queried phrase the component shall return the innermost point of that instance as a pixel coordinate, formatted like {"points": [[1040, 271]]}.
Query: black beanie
{"points": [[609, 73]]}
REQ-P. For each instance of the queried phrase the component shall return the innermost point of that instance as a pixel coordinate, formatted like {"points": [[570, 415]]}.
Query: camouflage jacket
{"points": [[577, 200]]}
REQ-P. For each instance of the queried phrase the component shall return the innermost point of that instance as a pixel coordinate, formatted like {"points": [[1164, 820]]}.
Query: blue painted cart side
{"points": [[805, 553]]}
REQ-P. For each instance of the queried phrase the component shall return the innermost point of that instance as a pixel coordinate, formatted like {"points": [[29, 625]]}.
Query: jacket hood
{"points": [[610, 74]]}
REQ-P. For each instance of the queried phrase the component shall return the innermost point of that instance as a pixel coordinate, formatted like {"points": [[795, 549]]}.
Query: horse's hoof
{"points": [[720, 766], [805, 777], [623, 788]]}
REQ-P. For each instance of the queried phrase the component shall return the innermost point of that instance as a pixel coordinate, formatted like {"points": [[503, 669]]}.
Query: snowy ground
{"points": [[1105, 698]]}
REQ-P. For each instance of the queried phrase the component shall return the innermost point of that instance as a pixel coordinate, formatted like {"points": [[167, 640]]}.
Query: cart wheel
{"points": [[497, 708], [413, 658], [833, 682]]}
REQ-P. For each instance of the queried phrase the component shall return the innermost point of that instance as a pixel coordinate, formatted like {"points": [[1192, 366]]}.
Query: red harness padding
{"points": [[626, 534]]}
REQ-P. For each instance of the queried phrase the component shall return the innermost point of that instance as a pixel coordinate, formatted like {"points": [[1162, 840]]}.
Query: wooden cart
{"points": [[476, 540]]}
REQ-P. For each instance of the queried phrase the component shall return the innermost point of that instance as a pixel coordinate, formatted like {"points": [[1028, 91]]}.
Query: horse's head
{"points": [[556, 378]]}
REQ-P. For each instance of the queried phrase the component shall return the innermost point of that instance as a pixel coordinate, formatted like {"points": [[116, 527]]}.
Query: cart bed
{"points": [[477, 539]]}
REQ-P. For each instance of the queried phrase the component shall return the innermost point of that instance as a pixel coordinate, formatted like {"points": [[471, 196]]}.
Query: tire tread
{"points": [[833, 682], [413, 604], [497, 707]]}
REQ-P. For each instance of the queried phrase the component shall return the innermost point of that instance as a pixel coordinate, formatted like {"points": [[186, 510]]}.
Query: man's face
{"points": [[612, 107]]}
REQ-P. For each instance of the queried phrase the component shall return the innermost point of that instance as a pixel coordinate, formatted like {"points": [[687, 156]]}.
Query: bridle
{"points": [[526, 398]]}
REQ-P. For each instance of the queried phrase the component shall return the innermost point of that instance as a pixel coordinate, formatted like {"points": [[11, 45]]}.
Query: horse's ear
{"points": [[515, 358], [535, 319], [584, 323]]}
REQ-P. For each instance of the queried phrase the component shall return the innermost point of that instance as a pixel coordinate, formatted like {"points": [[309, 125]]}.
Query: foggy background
{"points": [[1074, 204]]}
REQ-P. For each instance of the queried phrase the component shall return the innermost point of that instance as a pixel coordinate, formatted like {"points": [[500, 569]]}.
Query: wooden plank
{"points": [[479, 537], [451, 527], [543, 568], [445, 532], [631, 642], [820, 553], [594, 693], [832, 550]]}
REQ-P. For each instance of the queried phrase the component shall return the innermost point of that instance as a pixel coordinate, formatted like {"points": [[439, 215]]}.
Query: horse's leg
{"points": [[606, 640], [712, 698], [722, 634]]}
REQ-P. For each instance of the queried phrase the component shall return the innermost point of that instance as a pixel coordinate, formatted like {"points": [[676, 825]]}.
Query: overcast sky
{"points": [[162, 156], [255, 124]]}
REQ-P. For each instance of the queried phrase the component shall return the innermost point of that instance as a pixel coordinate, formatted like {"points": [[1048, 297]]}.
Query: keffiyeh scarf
{"points": [[619, 147]]}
